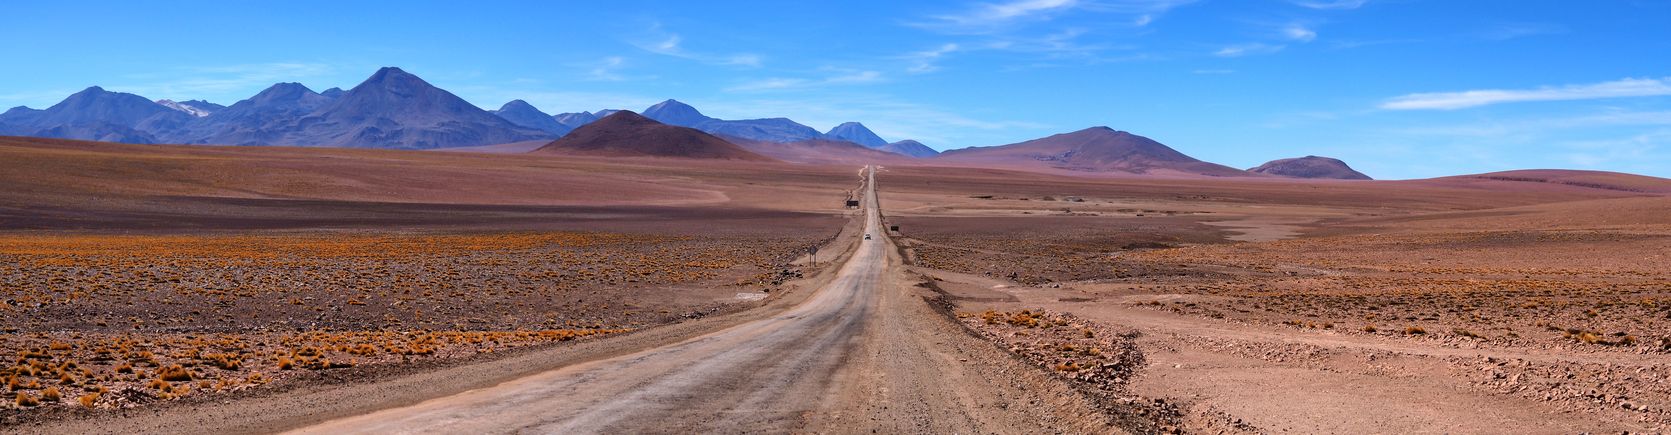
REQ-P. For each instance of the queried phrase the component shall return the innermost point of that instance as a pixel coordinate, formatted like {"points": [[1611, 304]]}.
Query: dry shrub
{"points": [[89, 400], [174, 373], [51, 394], [26, 400]]}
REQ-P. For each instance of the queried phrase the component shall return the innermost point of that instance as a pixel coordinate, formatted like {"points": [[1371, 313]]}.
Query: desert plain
{"points": [[153, 288]]}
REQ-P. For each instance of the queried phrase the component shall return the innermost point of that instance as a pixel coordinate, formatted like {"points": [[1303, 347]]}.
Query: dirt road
{"points": [[860, 354]]}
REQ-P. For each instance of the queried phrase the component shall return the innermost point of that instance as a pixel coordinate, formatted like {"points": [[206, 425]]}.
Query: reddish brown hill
{"points": [[1310, 167], [1096, 149], [819, 151], [628, 134], [1532, 178]]}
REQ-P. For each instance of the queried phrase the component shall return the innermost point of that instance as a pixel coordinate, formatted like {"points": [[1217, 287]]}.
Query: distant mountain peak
{"points": [[629, 134], [856, 133], [388, 72], [196, 108], [395, 80], [1310, 167], [910, 148], [332, 92], [282, 90], [575, 120], [1095, 149], [677, 113], [526, 115], [288, 95], [516, 105]]}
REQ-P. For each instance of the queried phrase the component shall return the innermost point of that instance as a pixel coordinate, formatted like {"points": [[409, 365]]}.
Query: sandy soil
{"points": [[1307, 313], [138, 277], [172, 284]]}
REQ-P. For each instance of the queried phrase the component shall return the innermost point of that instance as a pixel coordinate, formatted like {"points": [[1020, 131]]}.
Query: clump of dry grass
{"points": [[174, 373], [25, 400], [89, 400]]}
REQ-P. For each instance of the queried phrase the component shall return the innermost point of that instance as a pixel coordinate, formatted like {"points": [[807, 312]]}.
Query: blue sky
{"points": [[1397, 88]]}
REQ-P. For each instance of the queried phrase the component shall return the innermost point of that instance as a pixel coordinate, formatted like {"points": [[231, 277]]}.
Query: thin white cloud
{"points": [[1629, 87], [856, 77], [1299, 33], [608, 69], [889, 117], [35, 99], [1504, 32], [744, 60], [1330, 4], [989, 15], [996, 17], [928, 60], [672, 44], [556, 101], [768, 84], [843, 77], [1629, 153], [205, 82], [1248, 49]]}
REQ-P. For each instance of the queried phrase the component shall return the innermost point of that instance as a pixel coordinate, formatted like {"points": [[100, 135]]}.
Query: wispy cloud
{"points": [[844, 77], [890, 117], [1252, 48], [1629, 87], [1629, 152], [1503, 32], [986, 17], [1350, 44], [1330, 4], [38, 99], [607, 69], [672, 44], [928, 60], [555, 101], [195, 82], [1298, 32], [994, 17]]}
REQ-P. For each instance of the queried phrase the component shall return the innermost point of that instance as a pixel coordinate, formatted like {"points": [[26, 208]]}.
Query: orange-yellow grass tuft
{"points": [[174, 373], [26, 400]]}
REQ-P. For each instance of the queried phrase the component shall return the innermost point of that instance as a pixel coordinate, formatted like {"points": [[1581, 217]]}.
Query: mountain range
{"points": [[391, 109], [673, 112], [398, 110]]}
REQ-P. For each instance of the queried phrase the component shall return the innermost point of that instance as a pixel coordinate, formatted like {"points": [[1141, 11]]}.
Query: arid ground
{"points": [[160, 288], [1455, 305]]}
